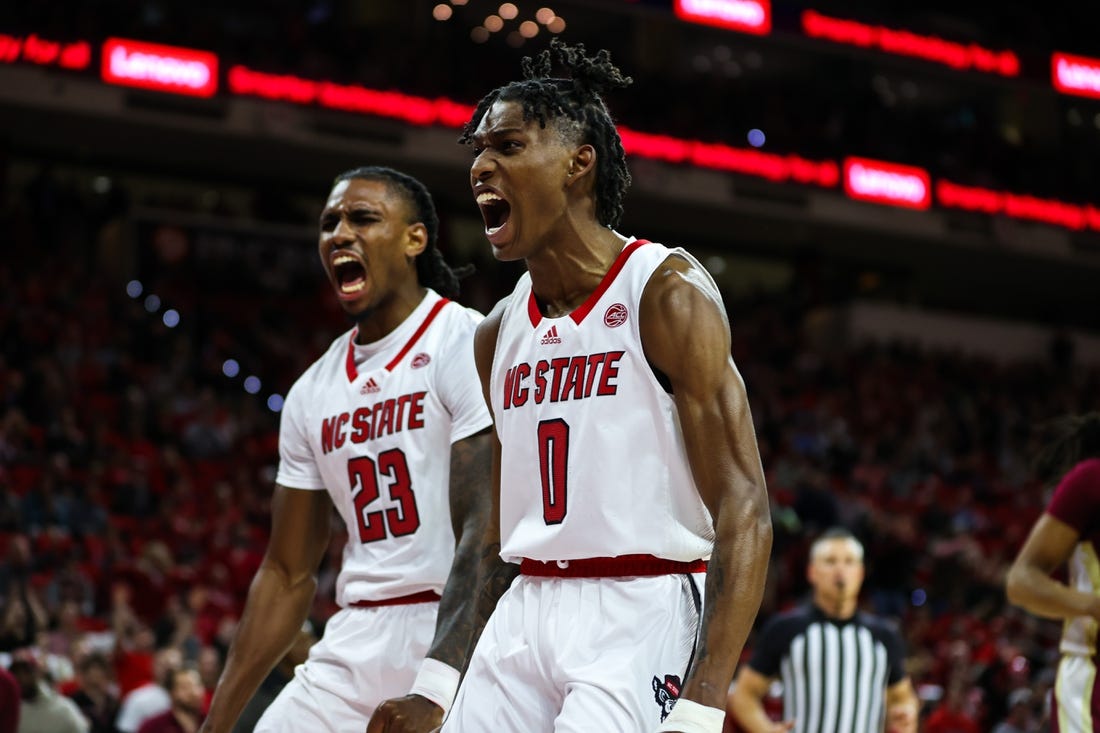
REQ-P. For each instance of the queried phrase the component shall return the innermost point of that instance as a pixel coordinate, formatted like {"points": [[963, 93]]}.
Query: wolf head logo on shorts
{"points": [[666, 693]]}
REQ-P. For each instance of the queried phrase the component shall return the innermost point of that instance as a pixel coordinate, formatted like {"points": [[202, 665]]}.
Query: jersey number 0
{"points": [[401, 520], [553, 467]]}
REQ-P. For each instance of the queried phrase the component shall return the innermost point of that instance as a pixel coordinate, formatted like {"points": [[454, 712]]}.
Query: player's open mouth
{"points": [[350, 275], [494, 210]]}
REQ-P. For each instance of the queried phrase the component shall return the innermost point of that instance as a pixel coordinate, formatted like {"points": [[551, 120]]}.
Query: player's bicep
{"points": [[469, 490], [686, 336], [1049, 544], [300, 526]]}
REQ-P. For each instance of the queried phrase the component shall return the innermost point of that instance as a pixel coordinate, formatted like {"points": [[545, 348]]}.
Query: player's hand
{"points": [[409, 714]]}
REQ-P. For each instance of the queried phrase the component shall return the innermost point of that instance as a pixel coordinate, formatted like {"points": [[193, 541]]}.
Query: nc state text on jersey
{"points": [[367, 423], [563, 378]]}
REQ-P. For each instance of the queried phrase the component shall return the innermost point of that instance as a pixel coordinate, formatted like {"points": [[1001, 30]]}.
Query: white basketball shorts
{"points": [[576, 655], [366, 656]]}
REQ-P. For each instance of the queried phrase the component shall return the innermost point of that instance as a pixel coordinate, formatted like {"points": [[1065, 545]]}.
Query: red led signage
{"points": [[187, 71], [746, 16], [774, 167], [349, 98], [1017, 206], [887, 183], [1075, 74], [36, 50], [421, 111], [962, 56], [161, 68]]}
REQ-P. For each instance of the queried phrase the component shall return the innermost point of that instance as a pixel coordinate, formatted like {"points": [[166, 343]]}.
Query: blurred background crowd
{"points": [[154, 309]]}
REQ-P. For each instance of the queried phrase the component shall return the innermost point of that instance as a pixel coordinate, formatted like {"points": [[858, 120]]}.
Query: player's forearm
{"points": [[494, 577], [1035, 591], [458, 612], [471, 515], [735, 586], [273, 615]]}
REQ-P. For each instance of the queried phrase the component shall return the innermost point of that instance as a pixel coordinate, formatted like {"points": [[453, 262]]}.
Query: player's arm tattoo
{"points": [[470, 510]]}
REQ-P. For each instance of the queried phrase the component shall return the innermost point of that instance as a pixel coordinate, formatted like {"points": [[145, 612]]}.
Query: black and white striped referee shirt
{"points": [[834, 673]]}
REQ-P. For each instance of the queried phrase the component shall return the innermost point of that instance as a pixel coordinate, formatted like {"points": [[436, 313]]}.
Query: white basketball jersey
{"points": [[593, 459], [374, 425]]}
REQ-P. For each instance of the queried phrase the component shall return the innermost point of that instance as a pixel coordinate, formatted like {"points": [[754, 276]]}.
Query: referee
{"points": [[843, 671]]}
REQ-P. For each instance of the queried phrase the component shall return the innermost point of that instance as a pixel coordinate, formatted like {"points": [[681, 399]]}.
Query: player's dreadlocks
{"points": [[431, 269], [1071, 439], [577, 107]]}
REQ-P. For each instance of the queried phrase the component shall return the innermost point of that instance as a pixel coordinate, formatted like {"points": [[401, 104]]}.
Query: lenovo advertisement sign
{"points": [[1075, 74], [887, 183], [745, 16], [161, 68]]}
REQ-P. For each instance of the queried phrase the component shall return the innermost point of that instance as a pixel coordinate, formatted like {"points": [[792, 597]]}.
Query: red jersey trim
{"points": [[590, 302], [353, 372], [427, 596], [610, 567]]}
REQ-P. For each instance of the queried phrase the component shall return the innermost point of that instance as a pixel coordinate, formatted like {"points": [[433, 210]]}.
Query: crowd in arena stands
{"points": [[135, 479]]}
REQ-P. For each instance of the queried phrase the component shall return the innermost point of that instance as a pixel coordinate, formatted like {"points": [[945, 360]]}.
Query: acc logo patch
{"points": [[615, 315], [420, 360], [666, 693]]}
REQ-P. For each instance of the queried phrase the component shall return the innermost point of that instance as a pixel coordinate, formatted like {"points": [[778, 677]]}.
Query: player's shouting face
{"points": [[521, 178], [367, 243]]}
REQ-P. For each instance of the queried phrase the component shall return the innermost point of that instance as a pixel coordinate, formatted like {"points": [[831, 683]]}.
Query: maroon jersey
{"points": [[1076, 502]]}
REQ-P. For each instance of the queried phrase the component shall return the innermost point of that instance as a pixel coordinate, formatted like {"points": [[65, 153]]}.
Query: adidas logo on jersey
{"points": [[370, 387], [551, 337]]}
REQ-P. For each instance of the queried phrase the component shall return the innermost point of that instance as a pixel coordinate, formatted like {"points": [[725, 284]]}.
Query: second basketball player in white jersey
{"points": [[626, 457], [388, 426]]}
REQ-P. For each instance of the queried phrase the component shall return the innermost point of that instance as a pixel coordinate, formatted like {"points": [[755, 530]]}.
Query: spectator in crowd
{"points": [[954, 714], [10, 701], [842, 669], [95, 695], [151, 698], [186, 711], [22, 615], [43, 709], [1021, 718]]}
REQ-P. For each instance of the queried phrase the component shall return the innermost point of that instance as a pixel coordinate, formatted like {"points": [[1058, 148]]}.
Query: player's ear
{"points": [[581, 162], [416, 239]]}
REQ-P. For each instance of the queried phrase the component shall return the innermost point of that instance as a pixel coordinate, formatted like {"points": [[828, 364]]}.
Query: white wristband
{"points": [[436, 681], [691, 717]]}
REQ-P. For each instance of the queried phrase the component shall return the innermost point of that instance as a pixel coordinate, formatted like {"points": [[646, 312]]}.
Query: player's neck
{"points": [[381, 320], [568, 269]]}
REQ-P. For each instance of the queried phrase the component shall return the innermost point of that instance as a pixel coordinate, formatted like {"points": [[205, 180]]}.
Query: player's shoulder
{"points": [[454, 312], [1085, 474], [319, 372], [490, 324]]}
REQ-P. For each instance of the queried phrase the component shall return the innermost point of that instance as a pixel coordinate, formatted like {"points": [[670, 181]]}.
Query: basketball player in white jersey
{"points": [[390, 427], [625, 457]]}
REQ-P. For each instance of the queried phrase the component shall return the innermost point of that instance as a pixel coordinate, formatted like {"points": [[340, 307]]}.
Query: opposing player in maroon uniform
{"points": [[1068, 533]]}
